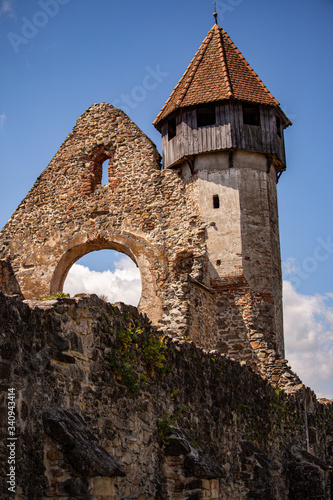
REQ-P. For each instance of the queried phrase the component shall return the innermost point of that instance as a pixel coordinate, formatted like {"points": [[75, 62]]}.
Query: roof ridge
{"points": [[224, 64], [248, 65]]}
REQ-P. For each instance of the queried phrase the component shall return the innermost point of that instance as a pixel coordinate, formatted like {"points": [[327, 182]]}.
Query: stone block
{"points": [[102, 486]]}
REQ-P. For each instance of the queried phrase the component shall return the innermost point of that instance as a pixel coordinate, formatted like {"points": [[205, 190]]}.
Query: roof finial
{"points": [[215, 13]]}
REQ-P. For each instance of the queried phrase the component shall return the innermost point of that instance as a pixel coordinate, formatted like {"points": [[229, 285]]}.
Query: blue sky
{"points": [[58, 57]]}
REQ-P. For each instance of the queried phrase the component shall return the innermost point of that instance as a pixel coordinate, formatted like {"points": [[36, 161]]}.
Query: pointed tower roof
{"points": [[217, 72]]}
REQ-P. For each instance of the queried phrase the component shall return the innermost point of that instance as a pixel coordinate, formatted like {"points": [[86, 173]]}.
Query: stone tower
{"points": [[222, 131]]}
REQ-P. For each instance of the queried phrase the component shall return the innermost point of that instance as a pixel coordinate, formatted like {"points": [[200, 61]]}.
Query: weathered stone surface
{"points": [[197, 465], [217, 403], [178, 443], [8, 281], [264, 461], [308, 457], [80, 445], [305, 477]]}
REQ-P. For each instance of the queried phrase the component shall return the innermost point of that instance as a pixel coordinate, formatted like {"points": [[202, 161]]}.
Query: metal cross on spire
{"points": [[215, 13]]}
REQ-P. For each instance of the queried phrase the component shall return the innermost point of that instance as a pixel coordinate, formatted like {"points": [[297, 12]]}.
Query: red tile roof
{"points": [[217, 72]]}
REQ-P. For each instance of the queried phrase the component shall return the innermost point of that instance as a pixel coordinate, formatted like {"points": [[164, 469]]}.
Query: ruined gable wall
{"points": [[141, 211]]}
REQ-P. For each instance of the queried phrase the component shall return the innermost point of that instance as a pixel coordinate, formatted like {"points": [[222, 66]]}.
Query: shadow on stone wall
{"points": [[8, 281]]}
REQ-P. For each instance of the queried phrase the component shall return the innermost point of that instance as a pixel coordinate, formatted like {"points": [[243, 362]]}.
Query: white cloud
{"points": [[122, 285], [7, 8], [2, 119], [308, 327]]}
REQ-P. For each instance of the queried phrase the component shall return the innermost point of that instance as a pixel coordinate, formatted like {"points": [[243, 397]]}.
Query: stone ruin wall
{"points": [[150, 214], [196, 425]]}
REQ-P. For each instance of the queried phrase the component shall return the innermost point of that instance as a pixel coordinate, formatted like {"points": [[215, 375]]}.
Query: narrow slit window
{"points": [[206, 116], [99, 166], [172, 128], [251, 114], [216, 201], [105, 172]]}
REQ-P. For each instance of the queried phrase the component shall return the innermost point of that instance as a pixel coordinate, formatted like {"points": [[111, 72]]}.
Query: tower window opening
{"points": [[172, 128], [206, 116], [278, 126], [251, 114], [105, 172], [216, 201]]}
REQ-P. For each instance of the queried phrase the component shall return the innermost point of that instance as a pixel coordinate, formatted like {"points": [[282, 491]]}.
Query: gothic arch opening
{"points": [[111, 275], [136, 249]]}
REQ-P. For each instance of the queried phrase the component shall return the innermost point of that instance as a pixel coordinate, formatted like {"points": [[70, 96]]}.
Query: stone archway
{"points": [[150, 302]]}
